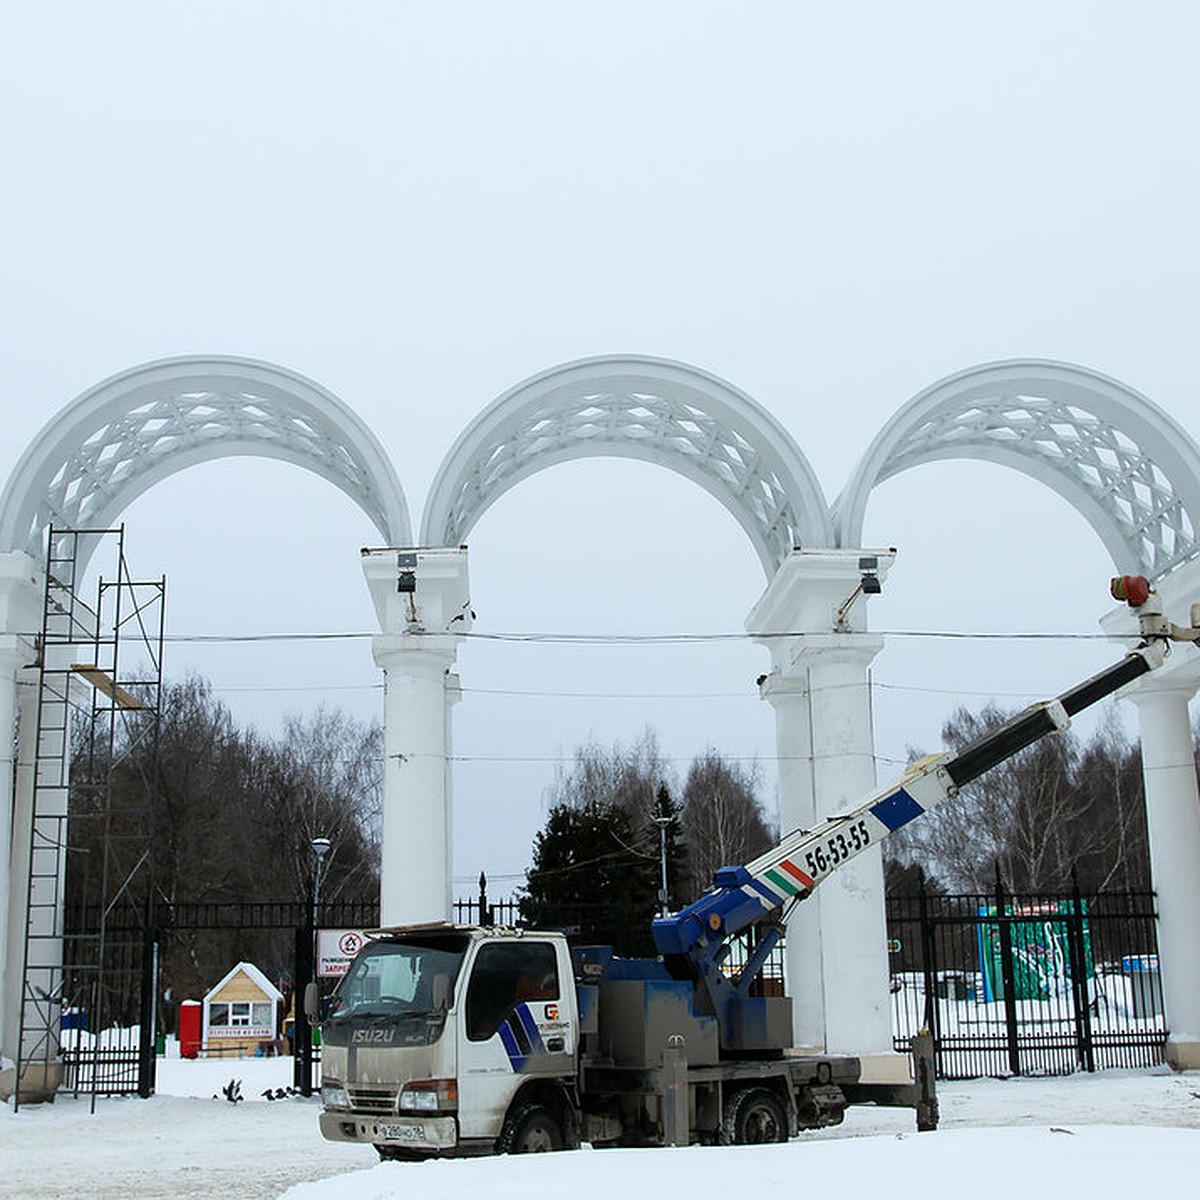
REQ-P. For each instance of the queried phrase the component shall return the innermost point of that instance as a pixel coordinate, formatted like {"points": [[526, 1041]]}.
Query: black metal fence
{"points": [[1027, 984], [1005, 984], [105, 1027]]}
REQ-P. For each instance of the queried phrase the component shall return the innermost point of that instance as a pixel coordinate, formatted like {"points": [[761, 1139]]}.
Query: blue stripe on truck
{"points": [[897, 809]]}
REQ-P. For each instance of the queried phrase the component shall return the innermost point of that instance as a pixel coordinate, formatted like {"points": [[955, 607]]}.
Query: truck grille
{"points": [[375, 1100]]}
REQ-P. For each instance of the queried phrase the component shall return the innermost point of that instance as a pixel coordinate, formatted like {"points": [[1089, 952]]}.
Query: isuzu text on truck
{"points": [[451, 1040]]}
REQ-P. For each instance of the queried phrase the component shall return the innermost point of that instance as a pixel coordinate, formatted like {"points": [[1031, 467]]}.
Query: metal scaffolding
{"points": [[89, 968]]}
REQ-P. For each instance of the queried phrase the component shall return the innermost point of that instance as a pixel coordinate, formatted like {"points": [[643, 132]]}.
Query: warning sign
{"points": [[335, 949]]}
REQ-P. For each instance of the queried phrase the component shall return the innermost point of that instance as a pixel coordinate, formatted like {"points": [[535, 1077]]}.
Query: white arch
{"points": [[1129, 468], [125, 434], [630, 406]]}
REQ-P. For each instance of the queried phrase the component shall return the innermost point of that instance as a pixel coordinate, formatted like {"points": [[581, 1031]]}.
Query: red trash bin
{"points": [[190, 1014]]}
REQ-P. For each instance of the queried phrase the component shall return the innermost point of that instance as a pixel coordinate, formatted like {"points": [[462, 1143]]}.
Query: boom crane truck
{"points": [[449, 1040]]}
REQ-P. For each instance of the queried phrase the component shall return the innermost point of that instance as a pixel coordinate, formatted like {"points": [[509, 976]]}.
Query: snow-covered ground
{"points": [[1117, 1133]]}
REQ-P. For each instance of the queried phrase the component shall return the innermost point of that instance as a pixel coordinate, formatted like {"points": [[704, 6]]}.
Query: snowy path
{"points": [[186, 1144]]}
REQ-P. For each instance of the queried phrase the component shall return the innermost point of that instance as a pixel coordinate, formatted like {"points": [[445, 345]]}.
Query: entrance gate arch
{"points": [[143, 425], [653, 409], [85, 467], [691, 422], [1131, 471]]}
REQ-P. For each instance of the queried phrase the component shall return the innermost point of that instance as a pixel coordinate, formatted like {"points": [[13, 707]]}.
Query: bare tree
{"points": [[233, 815], [723, 821], [325, 779], [626, 777], [1058, 810], [718, 813], [639, 783]]}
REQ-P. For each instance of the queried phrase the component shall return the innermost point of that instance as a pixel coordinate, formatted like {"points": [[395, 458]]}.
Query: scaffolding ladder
{"points": [[89, 969]]}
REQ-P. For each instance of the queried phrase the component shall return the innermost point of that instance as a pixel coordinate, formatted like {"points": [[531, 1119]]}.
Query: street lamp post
{"points": [[663, 821], [320, 848], [307, 999]]}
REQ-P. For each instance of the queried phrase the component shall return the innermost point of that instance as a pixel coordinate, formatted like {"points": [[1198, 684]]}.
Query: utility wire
{"points": [[639, 639], [747, 693], [650, 639]]}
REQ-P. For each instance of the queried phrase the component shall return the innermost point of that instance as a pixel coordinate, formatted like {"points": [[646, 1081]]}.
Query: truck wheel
{"points": [[753, 1117], [530, 1129]]}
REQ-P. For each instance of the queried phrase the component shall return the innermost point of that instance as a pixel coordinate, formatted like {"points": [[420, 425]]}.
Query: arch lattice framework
{"points": [[1129, 468], [651, 409], [125, 434]]}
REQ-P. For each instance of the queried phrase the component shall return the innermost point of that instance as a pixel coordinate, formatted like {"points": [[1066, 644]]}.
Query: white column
{"points": [[22, 826], [9, 665], [787, 692], [414, 881], [453, 694], [1173, 824], [421, 599], [1172, 808], [853, 915], [20, 605], [819, 687]]}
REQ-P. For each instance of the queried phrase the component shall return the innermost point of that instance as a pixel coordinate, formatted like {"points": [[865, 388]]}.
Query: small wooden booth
{"points": [[241, 1014]]}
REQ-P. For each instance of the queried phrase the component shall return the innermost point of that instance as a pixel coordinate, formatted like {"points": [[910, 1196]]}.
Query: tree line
{"points": [[230, 815], [1064, 811]]}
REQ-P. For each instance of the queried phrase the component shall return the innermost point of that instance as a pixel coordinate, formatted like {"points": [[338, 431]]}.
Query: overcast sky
{"points": [[418, 205]]}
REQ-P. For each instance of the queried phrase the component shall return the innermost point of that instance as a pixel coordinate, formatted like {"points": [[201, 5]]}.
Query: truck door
{"points": [[518, 1022]]}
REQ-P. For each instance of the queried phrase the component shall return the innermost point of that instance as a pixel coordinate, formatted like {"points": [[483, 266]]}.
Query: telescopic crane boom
{"points": [[695, 941]]}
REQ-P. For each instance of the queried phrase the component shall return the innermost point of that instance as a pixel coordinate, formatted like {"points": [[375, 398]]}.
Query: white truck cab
{"points": [[446, 1039]]}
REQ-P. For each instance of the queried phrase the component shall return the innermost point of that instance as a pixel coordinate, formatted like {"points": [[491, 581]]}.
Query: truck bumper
{"points": [[431, 1135]]}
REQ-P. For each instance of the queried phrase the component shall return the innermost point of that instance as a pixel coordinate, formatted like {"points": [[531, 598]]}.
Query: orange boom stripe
{"points": [[796, 873]]}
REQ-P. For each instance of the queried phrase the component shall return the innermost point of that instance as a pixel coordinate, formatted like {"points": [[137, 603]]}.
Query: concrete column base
{"points": [[1183, 1056]]}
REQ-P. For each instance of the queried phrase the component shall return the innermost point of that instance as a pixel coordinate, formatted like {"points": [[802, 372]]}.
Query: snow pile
{"points": [[1124, 1133], [984, 1164]]}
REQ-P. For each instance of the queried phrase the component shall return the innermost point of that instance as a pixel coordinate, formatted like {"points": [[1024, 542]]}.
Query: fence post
{"points": [[302, 1048], [1007, 976], [485, 917], [924, 1079], [148, 1011], [1079, 983], [931, 1020]]}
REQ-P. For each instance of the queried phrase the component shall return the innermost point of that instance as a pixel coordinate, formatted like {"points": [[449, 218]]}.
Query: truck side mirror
{"points": [[312, 1002]]}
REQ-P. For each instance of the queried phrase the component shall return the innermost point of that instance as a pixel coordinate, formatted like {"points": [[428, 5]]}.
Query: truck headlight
{"points": [[429, 1095], [333, 1096]]}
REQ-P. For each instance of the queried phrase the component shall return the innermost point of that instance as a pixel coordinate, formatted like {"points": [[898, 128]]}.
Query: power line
{"points": [[316, 687], [241, 638], [673, 760], [641, 639], [747, 693], [644, 639]]}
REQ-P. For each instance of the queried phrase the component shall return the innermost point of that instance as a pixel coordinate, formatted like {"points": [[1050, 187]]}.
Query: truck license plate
{"points": [[402, 1133]]}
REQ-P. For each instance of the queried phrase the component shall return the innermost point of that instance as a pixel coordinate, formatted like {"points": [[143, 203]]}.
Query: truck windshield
{"points": [[398, 978]]}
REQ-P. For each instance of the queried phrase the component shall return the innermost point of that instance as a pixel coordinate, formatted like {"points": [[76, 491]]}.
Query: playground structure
{"points": [[1128, 468]]}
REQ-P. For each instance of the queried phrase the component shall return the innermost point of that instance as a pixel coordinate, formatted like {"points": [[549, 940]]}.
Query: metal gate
{"points": [[281, 934], [1027, 984]]}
